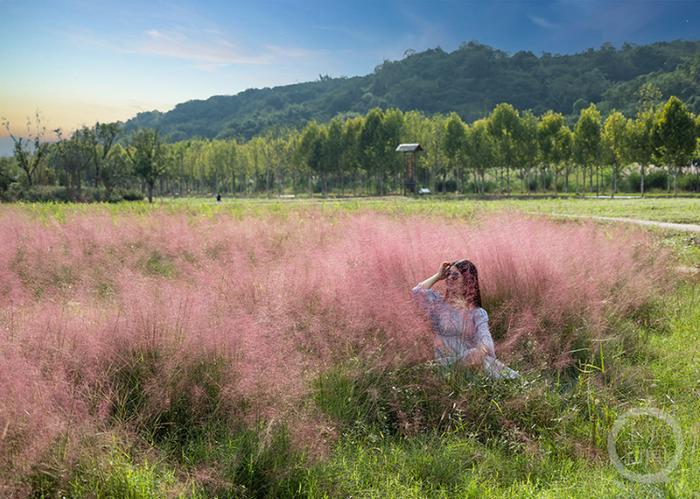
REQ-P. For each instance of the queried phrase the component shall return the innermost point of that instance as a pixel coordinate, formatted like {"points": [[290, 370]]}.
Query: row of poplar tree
{"points": [[505, 151]]}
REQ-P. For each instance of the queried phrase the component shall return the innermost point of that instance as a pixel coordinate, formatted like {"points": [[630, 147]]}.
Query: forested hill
{"points": [[470, 80]]}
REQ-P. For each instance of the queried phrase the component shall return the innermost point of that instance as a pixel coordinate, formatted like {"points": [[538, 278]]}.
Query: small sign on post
{"points": [[410, 151]]}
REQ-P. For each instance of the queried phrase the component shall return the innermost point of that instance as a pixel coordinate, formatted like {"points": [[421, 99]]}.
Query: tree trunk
{"points": [[675, 181], [597, 180], [642, 181], [150, 191], [543, 173], [508, 180]]}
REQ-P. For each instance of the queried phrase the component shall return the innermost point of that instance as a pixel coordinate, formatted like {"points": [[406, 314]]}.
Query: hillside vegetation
{"points": [[470, 81]]}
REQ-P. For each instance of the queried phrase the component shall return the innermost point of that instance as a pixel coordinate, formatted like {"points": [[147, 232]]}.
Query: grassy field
{"points": [[455, 466], [543, 437], [677, 210]]}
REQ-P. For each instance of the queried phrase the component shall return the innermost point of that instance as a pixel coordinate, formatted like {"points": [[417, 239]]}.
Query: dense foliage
{"points": [[469, 81], [507, 151]]}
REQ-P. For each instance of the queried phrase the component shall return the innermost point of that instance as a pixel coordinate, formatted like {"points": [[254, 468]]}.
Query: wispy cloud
{"points": [[542, 22], [211, 51], [207, 49]]}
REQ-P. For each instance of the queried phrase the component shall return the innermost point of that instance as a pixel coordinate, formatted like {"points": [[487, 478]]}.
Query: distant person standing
{"points": [[218, 197]]}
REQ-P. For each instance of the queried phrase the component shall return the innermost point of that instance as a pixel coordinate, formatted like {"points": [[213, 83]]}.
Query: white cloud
{"points": [[542, 22], [207, 49], [205, 52]]}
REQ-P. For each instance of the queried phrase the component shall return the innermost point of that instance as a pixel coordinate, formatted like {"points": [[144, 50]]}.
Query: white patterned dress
{"points": [[458, 333]]}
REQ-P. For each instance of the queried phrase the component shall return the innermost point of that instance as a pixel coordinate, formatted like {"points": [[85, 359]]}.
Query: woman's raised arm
{"points": [[440, 275]]}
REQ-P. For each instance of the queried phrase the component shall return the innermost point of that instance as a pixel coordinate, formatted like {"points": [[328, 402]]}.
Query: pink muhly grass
{"points": [[279, 303], [35, 409]]}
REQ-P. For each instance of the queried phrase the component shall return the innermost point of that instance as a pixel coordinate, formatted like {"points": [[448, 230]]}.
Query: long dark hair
{"points": [[470, 290]]}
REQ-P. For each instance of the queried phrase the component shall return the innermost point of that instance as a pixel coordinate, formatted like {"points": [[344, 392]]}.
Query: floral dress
{"points": [[458, 333]]}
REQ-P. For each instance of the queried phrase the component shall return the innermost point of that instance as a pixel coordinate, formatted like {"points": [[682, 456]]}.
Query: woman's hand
{"points": [[444, 270], [476, 357], [441, 274]]}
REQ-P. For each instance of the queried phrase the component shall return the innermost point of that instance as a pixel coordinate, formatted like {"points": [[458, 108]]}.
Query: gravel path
{"points": [[651, 223]]}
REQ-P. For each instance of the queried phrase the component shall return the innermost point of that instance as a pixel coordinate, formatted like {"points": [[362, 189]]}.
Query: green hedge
{"points": [[60, 194]]}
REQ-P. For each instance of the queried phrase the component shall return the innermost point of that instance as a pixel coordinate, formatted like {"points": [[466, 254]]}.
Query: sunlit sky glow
{"points": [[79, 61]]}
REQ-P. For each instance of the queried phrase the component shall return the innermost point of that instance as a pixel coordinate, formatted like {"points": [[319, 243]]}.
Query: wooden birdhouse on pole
{"points": [[410, 151]]}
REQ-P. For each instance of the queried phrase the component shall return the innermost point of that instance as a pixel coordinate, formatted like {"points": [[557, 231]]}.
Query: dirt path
{"points": [[649, 223]]}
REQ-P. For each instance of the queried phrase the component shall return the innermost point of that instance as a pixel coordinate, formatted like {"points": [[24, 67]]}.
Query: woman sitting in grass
{"points": [[459, 323]]}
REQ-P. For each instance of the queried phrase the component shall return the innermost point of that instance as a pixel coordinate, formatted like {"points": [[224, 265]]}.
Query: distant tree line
{"points": [[506, 152]]}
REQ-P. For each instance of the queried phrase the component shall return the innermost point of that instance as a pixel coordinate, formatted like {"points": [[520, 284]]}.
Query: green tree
{"points": [[648, 97], [333, 151], [454, 145], [640, 141], [74, 158], [417, 128], [675, 137], [507, 129], [555, 141], [380, 135], [614, 143], [31, 151], [351, 158], [482, 153], [563, 152], [145, 151], [311, 146], [98, 142], [116, 169], [436, 154], [7, 166], [527, 149], [587, 143], [392, 124]]}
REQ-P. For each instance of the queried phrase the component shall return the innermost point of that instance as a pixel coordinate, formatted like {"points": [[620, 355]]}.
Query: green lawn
{"points": [[678, 210]]}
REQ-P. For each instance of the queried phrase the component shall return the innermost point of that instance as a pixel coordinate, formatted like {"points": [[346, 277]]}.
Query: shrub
{"points": [[689, 182], [450, 185], [654, 179], [61, 194], [129, 194], [167, 402]]}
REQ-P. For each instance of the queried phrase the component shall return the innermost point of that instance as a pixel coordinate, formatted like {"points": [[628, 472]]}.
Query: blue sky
{"points": [[78, 61]]}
